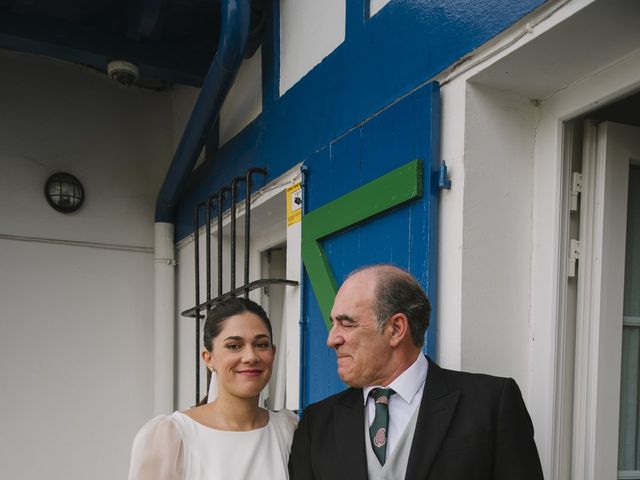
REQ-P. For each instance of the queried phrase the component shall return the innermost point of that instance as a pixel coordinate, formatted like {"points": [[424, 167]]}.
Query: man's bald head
{"points": [[397, 291]]}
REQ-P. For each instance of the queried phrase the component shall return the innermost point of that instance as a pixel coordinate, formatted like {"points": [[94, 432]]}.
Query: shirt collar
{"points": [[408, 383]]}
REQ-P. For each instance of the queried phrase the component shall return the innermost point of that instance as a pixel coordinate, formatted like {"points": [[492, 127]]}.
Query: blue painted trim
{"points": [[271, 56], [432, 239], [305, 365], [399, 49], [354, 17], [235, 16]]}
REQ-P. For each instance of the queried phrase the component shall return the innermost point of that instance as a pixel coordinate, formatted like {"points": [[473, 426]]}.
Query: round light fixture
{"points": [[64, 192]]}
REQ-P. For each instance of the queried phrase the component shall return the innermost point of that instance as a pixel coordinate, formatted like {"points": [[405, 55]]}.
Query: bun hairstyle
{"points": [[228, 308]]}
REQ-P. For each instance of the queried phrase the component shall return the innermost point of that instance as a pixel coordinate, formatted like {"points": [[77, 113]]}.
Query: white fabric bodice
{"points": [[176, 447]]}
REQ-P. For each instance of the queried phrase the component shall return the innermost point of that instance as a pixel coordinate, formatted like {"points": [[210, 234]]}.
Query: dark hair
{"points": [[228, 308], [397, 291]]}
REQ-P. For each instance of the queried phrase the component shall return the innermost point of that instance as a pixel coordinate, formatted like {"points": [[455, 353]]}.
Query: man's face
{"points": [[363, 353]]}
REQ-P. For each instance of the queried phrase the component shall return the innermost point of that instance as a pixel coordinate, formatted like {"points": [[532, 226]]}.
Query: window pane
{"points": [[629, 431]]}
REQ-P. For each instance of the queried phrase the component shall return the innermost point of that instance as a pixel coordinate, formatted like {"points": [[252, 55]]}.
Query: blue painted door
{"points": [[405, 236]]}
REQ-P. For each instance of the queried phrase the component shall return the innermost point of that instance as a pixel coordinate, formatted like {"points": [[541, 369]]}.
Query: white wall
{"points": [[309, 31], [244, 101], [497, 233], [76, 338], [376, 5]]}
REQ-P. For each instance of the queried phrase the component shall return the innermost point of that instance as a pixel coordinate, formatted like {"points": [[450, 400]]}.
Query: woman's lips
{"points": [[250, 373]]}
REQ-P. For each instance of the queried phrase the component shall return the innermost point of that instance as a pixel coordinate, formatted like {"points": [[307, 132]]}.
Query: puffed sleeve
{"points": [[291, 421], [157, 452]]}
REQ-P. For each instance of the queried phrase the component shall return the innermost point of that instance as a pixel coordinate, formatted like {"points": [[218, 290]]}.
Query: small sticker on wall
{"points": [[294, 204]]}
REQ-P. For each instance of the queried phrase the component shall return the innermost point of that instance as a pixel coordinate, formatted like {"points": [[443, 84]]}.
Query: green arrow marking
{"points": [[390, 190]]}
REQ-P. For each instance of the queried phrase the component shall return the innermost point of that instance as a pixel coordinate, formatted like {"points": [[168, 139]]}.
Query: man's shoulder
{"points": [[477, 382], [350, 396]]}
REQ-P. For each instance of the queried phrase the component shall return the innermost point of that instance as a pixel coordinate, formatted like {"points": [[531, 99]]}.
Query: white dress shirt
{"points": [[408, 388]]}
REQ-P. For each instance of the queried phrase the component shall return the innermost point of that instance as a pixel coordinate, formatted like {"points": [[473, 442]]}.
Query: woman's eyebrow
{"points": [[239, 338]]}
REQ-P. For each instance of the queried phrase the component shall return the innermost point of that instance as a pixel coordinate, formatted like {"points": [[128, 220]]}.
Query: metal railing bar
{"points": [[196, 314], [240, 290], [247, 221], [234, 193]]}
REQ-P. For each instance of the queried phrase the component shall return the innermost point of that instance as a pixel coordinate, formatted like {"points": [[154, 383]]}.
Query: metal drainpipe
{"points": [[234, 30]]}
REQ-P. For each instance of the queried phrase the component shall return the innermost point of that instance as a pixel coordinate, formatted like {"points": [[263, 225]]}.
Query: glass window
{"points": [[629, 432]]}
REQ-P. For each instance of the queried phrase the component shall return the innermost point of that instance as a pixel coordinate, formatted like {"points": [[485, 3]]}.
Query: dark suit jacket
{"points": [[470, 427]]}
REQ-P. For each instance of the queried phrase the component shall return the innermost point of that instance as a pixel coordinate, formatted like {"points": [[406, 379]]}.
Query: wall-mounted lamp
{"points": [[64, 192]]}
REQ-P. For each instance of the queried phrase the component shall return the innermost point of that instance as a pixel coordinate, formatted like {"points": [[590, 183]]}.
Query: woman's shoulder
{"points": [[284, 419], [160, 428], [160, 421]]}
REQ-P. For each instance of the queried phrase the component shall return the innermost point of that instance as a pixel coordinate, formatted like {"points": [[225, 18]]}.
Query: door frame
{"points": [[605, 176], [555, 359]]}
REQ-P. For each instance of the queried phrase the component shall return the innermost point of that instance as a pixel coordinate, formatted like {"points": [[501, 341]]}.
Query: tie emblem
{"points": [[380, 438]]}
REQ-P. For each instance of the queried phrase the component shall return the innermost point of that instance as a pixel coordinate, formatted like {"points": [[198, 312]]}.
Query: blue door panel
{"points": [[404, 236]]}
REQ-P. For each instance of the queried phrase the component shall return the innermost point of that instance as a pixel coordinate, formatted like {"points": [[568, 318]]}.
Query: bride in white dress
{"points": [[231, 437]]}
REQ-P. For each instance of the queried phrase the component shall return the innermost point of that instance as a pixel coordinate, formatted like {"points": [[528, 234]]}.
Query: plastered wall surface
{"points": [[75, 359], [309, 31], [76, 339], [244, 101], [376, 5], [497, 233]]}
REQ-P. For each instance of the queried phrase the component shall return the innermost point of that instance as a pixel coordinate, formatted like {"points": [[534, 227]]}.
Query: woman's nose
{"points": [[250, 355]]}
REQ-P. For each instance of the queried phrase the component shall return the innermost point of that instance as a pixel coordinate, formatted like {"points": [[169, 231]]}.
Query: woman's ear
{"points": [[398, 325], [207, 358]]}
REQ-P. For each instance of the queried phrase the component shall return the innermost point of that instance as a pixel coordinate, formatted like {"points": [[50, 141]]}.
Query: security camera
{"points": [[123, 72]]}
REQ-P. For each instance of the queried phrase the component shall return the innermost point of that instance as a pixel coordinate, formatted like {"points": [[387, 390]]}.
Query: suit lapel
{"points": [[436, 411], [349, 428]]}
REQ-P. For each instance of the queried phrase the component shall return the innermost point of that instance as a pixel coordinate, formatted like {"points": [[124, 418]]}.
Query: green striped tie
{"points": [[379, 427]]}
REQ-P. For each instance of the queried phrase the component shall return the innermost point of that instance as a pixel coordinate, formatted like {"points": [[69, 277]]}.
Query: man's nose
{"points": [[334, 338]]}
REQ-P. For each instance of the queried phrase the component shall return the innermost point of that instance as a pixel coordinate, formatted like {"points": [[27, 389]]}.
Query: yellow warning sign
{"points": [[294, 204]]}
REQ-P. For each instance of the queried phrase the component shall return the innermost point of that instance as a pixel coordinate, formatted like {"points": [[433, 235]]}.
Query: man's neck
{"points": [[402, 363]]}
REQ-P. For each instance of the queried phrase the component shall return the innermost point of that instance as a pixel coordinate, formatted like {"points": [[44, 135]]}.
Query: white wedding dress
{"points": [[176, 447]]}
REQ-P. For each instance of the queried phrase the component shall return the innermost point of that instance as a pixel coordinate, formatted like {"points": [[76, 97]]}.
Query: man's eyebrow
{"points": [[343, 318]]}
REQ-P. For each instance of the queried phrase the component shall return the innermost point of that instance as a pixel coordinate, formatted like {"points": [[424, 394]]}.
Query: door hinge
{"points": [[443, 177], [574, 255]]}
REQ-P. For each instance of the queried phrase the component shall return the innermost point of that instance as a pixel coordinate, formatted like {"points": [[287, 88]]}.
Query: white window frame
{"points": [[292, 236]]}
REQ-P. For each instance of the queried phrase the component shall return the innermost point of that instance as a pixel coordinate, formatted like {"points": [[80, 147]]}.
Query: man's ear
{"points": [[398, 325]]}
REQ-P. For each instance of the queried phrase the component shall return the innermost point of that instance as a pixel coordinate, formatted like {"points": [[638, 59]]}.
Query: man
{"points": [[432, 424]]}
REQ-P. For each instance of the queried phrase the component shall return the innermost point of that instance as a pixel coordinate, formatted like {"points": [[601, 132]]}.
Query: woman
{"points": [[231, 437]]}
